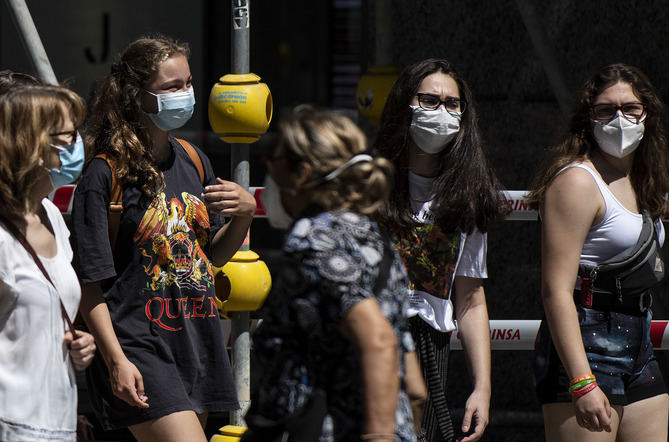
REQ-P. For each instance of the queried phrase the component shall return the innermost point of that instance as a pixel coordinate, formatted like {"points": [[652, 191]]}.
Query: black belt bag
{"points": [[630, 273]]}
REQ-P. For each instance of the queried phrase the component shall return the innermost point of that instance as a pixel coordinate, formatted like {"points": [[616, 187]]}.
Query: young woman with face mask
{"points": [[150, 299], [40, 149], [445, 197], [596, 375], [333, 359]]}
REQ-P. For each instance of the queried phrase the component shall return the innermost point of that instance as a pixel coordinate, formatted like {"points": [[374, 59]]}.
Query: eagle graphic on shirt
{"points": [[171, 236]]}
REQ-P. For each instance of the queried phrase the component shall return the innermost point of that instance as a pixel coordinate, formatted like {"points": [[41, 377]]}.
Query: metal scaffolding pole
{"points": [[383, 35], [239, 157], [545, 52], [31, 41]]}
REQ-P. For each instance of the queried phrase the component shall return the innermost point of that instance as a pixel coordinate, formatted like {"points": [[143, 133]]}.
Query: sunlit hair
{"points": [[466, 191], [27, 116], [10, 80], [116, 122], [326, 140], [650, 170]]}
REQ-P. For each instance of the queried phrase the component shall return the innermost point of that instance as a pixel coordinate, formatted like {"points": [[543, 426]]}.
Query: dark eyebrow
{"points": [[448, 97]]}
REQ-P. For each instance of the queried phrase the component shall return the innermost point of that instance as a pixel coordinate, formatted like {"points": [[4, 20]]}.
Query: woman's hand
{"points": [[477, 410], [82, 349], [127, 383], [228, 198], [593, 411]]}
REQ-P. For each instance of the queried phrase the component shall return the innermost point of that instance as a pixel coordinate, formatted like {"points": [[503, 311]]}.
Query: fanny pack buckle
{"points": [[642, 303]]}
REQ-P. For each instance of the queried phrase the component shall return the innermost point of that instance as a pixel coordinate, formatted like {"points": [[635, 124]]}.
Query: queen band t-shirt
{"points": [[159, 286]]}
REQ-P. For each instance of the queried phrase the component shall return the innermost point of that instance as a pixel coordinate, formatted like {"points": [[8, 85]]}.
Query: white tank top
{"points": [[618, 230]]}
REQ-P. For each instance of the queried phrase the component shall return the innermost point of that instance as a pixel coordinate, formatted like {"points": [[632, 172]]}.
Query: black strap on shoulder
{"points": [[609, 275]]}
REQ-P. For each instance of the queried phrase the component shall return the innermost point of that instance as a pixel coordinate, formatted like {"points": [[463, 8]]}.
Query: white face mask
{"points": [[271, 201], [174, 109], [619, 137], [432, 130]]}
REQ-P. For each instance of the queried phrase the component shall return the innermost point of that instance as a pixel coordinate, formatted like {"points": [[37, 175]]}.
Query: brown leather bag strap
{"points": [[194, 157], [115, 201], [116, 194], [20, 237]]}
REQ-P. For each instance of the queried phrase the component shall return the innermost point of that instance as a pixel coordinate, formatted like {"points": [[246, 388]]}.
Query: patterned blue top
{"points": [[331, 263]]}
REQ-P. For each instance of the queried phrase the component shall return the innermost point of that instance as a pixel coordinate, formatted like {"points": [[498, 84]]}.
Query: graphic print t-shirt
{"points": [[158, 283], [434, 257]]}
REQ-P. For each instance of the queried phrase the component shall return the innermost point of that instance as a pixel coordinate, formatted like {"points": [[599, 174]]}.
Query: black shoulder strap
{"points": [[627, 256]]}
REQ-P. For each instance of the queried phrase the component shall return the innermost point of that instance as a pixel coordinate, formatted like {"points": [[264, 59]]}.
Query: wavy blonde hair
{"points": [[115, 125], [327, 140], [27, 116]]}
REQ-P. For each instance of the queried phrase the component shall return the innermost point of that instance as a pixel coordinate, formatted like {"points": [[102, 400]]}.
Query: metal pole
{"points": [[383, 41], [31, 41], [239, 160], [545, 52]]}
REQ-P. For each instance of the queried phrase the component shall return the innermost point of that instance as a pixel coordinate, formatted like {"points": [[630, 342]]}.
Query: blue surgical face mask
{"points": [[174, 109], [71, 162]]}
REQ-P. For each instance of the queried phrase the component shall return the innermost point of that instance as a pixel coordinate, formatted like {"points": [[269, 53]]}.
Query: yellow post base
{"points": [[229, 433]]}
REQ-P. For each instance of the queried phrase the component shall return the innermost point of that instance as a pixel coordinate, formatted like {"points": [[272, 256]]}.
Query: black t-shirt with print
{"points": [[158, 284]]}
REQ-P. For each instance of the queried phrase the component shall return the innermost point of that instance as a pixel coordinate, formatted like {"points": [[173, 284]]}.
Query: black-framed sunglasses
{"points": [[432, 102], [603, 113], [71, 135]]}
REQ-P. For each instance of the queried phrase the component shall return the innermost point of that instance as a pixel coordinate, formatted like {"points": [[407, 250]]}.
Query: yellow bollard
{"points": [[240, 108], [229, 433], [242, 285], [373, 90]]}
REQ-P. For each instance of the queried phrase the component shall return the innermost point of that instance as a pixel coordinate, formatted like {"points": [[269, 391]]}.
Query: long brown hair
{"points": [[116, 123], [467, 191], [28, 114], [650, 171]]}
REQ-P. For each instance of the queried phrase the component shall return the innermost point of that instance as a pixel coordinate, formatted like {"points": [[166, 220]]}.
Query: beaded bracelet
{"points": [[580, 385], [583, 391], [369, 436], [582, 378]]}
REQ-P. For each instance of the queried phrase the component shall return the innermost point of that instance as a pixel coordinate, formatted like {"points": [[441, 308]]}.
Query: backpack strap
{"points": [[115, 201], [194, 157], [116, 193]]}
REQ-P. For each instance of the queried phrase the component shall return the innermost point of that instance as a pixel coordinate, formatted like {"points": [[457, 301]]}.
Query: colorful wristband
{"points": [[582, 378], [583, 391], [580, 385]]}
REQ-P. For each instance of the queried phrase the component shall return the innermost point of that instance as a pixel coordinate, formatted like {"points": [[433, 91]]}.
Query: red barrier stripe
{"points": [[260, 209], [657, 332], [62, 197]]}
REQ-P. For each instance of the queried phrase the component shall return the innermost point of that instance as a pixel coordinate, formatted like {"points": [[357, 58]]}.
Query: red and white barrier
{"points": [[520, 334], [517, 202], [62, 197]]}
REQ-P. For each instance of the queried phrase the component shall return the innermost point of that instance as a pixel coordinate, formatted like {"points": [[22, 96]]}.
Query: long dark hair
{"points": [[650, 171], [116, 121], [467, 191]]}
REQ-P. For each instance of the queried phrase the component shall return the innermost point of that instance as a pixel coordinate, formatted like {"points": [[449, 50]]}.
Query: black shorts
{"points": [[620, 354]]}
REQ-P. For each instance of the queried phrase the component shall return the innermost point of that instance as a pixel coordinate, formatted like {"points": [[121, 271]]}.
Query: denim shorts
{"points": [[620, 354]]}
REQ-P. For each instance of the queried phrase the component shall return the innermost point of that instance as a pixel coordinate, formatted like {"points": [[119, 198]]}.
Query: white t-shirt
{"points": [[471, 262], [38, 395]]}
